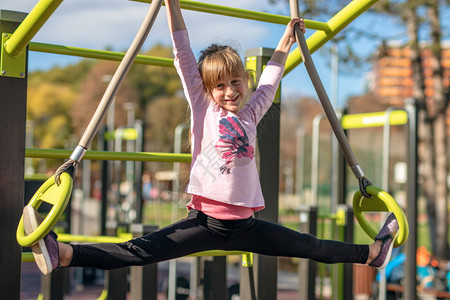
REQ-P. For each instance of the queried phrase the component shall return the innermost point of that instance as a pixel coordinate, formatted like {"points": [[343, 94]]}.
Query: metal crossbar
{"points": [[99, 54], [30, 26], [72, 238], [325, 30], [336, 24], [243, 14], [110, 155]]}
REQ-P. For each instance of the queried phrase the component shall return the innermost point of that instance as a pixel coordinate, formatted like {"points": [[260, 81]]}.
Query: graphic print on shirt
{"points": [[233, 144]]}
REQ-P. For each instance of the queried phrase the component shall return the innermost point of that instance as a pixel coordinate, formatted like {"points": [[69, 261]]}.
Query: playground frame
{"points": [[17, 33]]}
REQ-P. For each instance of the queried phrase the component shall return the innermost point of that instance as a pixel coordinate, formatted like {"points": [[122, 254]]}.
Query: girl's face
{"points": [[229, 92]]}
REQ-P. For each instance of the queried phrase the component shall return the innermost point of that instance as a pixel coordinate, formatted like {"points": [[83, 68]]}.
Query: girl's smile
{"points": [[229, 92]]}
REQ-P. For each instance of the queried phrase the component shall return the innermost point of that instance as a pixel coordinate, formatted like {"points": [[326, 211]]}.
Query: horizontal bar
{"points": [[99, 54], [375, 119], [110, 155], [168, 62], [30, 26], [243, 13], [41, 177], [218, 253], [28, 256], [72, 238], [327, 216], [335, 25]]}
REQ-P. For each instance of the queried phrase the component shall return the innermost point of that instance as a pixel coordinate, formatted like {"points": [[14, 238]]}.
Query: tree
{"points": [[164, 115], [91, 92], [432, 148], [436, 116], [48, 107], [76, 91], [153, 82], [433, 131]]}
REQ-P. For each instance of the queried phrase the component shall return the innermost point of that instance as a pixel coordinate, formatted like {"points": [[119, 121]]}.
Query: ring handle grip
{"points": [[379, 202], [56, 195]]}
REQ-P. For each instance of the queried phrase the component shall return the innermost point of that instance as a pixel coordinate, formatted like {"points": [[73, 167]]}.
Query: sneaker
{"points": [[387, 235], [46, 251]]}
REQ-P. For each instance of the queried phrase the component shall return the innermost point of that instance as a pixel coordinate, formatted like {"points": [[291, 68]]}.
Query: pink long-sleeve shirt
{"points": [[224, 178]]}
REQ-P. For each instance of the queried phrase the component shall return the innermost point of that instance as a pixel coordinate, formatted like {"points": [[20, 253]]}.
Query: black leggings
{"points": [[199, 232]]}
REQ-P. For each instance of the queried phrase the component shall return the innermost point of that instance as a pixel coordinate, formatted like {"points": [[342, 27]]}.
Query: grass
{"points": [[159, 212]]}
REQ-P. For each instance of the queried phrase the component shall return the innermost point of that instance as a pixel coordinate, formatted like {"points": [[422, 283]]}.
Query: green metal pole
{"points": [[30, 26], [243, 13], [99, 54], [108, 155], [335, 25]]}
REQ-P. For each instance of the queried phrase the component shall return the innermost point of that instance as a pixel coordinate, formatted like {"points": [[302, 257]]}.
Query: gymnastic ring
{"points": [[379, 202], [56, 195]]}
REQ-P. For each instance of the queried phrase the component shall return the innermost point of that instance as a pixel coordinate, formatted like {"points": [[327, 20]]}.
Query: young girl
{"points": [[224, 180]]}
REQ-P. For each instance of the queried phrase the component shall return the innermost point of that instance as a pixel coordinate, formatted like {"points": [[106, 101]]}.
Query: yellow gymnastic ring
{"points": [[58, 196], [380, 201]]}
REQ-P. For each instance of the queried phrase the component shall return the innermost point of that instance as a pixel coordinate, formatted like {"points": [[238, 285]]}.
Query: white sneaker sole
{"points": [[40, 253], [388, 256]]}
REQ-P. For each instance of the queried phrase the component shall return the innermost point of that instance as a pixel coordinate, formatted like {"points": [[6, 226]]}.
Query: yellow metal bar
{"points": [[375, 119], [98, 54], [218, 253], [335, 25], [247, 260], [27, 257], [103, 295], [72, 238], [243, 13], [109, 155], [30, 26]]}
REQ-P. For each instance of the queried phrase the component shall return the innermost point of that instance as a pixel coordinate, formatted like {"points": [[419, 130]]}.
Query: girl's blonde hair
{"points": [[216, 61]]}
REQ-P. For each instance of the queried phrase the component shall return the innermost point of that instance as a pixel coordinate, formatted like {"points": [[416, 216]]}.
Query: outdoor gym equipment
{"points": [[58, 196], [368, 198], [57, 189], [380, 201]]}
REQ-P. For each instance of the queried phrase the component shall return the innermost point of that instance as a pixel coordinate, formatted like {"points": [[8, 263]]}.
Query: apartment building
{"points": [[392, 78]]}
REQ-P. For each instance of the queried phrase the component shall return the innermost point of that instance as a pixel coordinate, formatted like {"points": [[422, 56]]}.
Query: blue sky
{"points": [[98, 24]]}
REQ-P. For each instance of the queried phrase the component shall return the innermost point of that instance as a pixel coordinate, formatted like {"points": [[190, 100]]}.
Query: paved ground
{"points": [[31, 286]]}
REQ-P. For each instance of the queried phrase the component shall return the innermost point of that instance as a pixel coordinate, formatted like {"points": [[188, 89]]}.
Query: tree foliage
{"points": [[164, 115], [153, 82], [62, 100], [421, 21], [92, 89], [49, 106]]}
